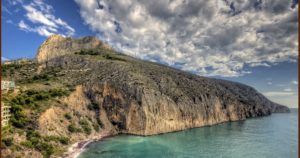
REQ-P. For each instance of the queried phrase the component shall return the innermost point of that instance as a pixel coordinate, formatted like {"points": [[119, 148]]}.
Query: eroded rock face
{"points": [[144, 98], [52, 122], [156, 113], [57, 45]]}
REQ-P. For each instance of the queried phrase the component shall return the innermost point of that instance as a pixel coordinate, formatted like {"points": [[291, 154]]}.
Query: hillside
{"points": [[77, 89]]}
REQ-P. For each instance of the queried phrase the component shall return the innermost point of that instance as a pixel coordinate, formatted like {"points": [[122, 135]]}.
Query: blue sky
{"points": [[248, 41]]}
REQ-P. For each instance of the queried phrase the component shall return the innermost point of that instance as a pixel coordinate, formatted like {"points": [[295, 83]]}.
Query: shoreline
{"points": [[77, 148]]}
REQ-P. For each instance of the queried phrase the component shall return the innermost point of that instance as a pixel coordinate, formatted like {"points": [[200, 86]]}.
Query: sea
{"points": [[274, 136]]}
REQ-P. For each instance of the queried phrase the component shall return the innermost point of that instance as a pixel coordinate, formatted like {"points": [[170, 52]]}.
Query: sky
{"points": [[254, 42]]}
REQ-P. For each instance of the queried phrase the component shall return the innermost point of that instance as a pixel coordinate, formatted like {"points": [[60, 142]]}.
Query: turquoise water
{"points": [[267, 137]]}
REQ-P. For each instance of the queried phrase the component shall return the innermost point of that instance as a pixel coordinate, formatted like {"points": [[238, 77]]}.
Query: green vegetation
{"points": [[68, 116], [27, 73], [96, 127], [87, 52], [7, 141], [100, 55], [18, 70], [36, 141], [43, 144], [93, 106], [85, 126], [62, 140], [46, 149], [33, 100], [18, 118], [73, 129], [43, 77], [25, 109], [27, 144], [10, 69], [37, 92]]}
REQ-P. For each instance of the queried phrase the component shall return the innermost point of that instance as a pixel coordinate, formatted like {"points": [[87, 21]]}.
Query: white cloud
{"points": [[212, 38], [277, 94], [39, 18], [41, 30], [4, 59], [287, 90], [269, 83], [294, 82], [24, 26], [259, 64]]}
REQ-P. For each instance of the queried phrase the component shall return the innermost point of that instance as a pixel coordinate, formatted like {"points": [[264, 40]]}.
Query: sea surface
{"points": [[274, 136]]}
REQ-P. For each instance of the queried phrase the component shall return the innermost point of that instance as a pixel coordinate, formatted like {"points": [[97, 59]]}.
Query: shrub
{"points": [[85, 126], [64, 140], [28, 101], [8, 141], [86, 52], [43, 77], [87, 129], [100, 122], [32, 133], [27, 144], [93, 106], [57, 92], [96, 127], [18, 118], [19, 123], [73, 129], [68, 116], [112, 57], [61, 139], [46, 149], [41, 96]]}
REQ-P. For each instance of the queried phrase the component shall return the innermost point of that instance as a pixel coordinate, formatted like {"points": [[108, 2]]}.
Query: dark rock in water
{"points": [[145, 98]]}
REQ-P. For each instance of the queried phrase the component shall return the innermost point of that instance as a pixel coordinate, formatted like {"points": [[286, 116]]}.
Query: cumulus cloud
{"points": [[278, 94], [287, 90], [294, 82], [41, 30], [212, 38], [39, 18]]}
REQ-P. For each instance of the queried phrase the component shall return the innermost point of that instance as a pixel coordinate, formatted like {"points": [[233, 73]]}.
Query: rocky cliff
{"points": [[78, 89], [57, 45], [145, 98]]}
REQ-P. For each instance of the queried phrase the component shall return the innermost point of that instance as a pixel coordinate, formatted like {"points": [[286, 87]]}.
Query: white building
{"points": [[7, 85], [5, 115]]}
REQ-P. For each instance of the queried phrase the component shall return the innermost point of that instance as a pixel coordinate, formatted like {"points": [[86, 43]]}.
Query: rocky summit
{"points": [[91, 88]]}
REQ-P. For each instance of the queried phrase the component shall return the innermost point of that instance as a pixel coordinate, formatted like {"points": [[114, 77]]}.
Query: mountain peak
{"points": [[57, 45]]}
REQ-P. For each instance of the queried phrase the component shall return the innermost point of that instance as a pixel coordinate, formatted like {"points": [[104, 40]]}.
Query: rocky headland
{"points": [[114, 93]]}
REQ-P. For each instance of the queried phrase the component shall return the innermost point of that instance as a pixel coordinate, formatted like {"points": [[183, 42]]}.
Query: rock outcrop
{"points": [[144, 98], [57, 45]]}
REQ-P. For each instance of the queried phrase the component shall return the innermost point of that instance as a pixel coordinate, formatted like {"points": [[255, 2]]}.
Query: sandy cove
{"points": [[77, 148]]}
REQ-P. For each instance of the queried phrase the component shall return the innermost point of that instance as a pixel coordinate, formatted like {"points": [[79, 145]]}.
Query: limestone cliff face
{"points": [[52, 121], [144, 98], [57, 45]]}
